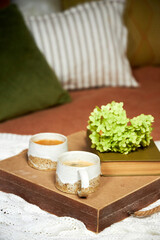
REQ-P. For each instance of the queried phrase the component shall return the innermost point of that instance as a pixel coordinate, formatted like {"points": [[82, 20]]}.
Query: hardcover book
{"points": [[143, 161]]}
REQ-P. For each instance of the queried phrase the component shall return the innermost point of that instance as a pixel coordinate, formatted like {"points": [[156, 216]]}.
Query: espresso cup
{"points": [[44, 149], [78, 172]]}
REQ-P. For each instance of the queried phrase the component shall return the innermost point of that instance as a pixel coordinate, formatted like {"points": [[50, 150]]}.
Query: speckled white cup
{"points": [[78, 180], [44, 157]]}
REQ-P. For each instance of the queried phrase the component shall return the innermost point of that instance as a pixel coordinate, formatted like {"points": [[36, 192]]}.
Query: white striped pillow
{"points": [[85, 45]]}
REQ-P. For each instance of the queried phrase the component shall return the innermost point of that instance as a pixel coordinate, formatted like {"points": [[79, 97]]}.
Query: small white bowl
{"points": [[44, 157]]}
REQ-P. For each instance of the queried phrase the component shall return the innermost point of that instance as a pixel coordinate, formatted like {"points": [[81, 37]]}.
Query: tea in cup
{"points": [[78, 172], [44, 149]]}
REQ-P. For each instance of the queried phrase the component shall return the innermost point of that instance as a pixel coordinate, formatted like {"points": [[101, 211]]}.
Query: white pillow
{"points": [[85, 45]]}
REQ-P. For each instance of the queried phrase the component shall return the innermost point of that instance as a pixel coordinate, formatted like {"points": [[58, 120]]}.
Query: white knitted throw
{"points": [[20, 220]]}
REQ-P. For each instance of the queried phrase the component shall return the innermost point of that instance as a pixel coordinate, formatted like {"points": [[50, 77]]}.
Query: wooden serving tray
{"points": [[109, 204]]}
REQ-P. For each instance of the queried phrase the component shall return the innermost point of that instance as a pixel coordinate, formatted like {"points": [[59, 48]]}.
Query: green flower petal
{"points": [[111, 130]]}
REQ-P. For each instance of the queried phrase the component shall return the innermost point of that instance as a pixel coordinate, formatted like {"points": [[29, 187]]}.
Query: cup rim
{"points": [[37, 135], [96, 158]]}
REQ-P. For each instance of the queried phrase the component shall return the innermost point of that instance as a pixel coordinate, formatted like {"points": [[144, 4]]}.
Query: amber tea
{"points": [[78, 163], [48, 142]]}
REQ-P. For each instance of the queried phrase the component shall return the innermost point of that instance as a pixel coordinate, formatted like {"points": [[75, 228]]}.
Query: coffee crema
{"points": [[78, 163], [49, 142]]}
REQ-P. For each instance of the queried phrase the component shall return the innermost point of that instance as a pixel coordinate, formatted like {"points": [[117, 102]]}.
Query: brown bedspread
{"points": [[72, 117]]}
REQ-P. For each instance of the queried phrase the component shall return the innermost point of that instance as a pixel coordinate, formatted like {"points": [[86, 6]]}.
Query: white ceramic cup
{"points": [[44, 157], [76, 179]]}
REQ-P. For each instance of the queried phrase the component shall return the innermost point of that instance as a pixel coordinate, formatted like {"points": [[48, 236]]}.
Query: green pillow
{"points": [[27, 83], [142, 18]]}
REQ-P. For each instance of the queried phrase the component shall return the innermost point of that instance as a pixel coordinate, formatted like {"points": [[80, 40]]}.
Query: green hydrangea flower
{"points": [[111, 130]]}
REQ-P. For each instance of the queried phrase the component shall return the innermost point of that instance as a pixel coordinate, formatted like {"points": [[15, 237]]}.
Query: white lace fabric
{"points": [[20, 220]]}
